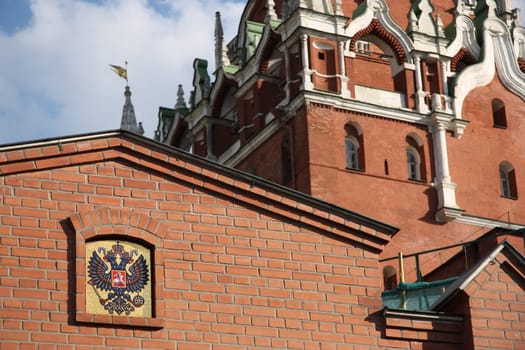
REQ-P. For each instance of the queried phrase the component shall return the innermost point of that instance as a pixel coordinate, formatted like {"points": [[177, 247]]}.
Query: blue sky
{"points": [[54, 56]]}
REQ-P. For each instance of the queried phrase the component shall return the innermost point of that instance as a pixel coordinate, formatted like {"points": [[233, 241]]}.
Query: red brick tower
{"points": [[410, 114]]}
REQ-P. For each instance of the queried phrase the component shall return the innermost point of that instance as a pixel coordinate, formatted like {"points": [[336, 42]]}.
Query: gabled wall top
{"points": [[196, 171]]}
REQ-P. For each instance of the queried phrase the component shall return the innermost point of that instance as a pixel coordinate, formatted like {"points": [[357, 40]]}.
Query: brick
{"points": [[55, 338]]}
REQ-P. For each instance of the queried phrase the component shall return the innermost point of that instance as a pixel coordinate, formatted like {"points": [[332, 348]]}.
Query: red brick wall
{"points": [[414, 330], [378, 72], [392, 197], [233, 277], [475, 157], [267, 159], [320, 169], [494, 305], [389, 197]]}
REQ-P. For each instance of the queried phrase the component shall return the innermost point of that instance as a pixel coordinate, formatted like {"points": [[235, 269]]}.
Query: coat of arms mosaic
{"points": [[118, 278]]}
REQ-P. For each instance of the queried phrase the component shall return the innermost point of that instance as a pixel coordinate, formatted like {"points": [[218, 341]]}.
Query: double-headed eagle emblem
{"points": [[121, 278]]}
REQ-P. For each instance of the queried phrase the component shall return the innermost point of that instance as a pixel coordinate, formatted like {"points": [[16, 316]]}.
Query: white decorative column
{"points": [[444, 74], [307, 72], [447, 207], [421, 106], [345, 93]]}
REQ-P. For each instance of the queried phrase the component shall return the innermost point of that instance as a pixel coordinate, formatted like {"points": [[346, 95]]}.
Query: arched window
{"points": [[413, 163], [507, 178], [354, 147], [415, 158], [498, 114], [352, 152]]}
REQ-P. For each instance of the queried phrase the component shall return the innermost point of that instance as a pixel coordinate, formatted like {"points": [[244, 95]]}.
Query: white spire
{"points": [[221, 51]]}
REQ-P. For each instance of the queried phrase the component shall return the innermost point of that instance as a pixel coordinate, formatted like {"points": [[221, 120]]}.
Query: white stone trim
{"points": [[393, 99], [519, 41], [379, 9], [486, 222], [357, 106], [498, 52], [465, 38]]}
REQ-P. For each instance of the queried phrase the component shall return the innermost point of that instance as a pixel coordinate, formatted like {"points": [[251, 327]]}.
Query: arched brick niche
{"points": [[124, 234]]}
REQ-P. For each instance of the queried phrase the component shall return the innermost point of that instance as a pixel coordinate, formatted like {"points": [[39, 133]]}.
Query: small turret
{"points": [[129, 121], [181, 104]]}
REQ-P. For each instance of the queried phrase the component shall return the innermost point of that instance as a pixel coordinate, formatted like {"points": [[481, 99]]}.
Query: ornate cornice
{"points": [[465, 38]]}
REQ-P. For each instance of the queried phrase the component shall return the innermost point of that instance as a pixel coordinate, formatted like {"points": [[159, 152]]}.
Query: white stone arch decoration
{"points": [[465, 38], [498, 55], [378, 9]]}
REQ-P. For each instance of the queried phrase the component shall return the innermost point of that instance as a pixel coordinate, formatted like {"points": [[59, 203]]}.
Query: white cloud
{"points": [[55, 79]]}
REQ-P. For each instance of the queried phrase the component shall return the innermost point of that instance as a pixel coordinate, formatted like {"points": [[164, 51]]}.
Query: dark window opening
{"points": [[498, 114], [507, 176], [354, 151]]}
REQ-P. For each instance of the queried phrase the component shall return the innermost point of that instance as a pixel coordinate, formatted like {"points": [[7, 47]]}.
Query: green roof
{"points": [[254, 32], [415, 296]]}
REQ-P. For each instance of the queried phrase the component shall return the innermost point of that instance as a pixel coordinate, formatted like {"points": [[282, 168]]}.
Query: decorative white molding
{"points": [[498, 52], [307, 73], [447, 208], [487, 222], [465, 38], [323, 6], [359, 106], [378, 9], [425, 21], [519, 41], [458, 126], [448, 214], [506, 63], [472, 77], [392, 99]]}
